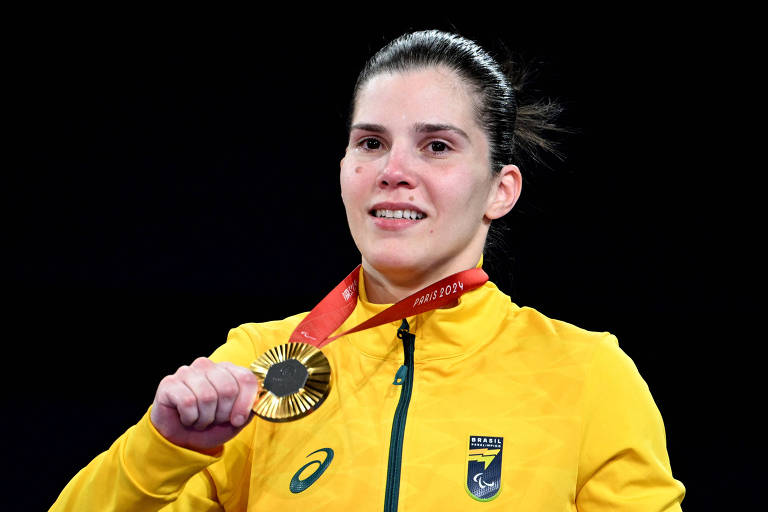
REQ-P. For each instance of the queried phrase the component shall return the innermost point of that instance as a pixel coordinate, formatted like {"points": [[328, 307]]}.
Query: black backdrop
{"points": [[168, 179]]}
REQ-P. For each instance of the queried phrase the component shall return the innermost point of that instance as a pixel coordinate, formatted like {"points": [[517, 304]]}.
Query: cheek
{"points": [[461, 197], [454, 196], [351, 186]]}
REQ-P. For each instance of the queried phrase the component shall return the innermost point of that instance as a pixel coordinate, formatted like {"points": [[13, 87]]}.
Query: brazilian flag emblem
{"points": [[484, 467]]}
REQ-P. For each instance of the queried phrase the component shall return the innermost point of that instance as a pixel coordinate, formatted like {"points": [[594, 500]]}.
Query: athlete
{"points": [[492, 406]]}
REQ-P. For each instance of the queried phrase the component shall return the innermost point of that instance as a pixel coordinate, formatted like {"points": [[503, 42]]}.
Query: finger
{"points": [[247, 393], [226, 391], [172, 393], [203, 363], [196, 381]]}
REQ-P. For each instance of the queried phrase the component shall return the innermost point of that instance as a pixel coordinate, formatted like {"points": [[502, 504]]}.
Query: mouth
{"points": [[407, 214]]}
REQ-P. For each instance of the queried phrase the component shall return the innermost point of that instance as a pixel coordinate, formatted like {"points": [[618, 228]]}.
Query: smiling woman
{"points": [[439, 401]]}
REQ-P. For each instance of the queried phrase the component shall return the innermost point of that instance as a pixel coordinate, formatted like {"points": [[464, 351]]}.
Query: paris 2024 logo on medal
{"points": [[483, 481]]}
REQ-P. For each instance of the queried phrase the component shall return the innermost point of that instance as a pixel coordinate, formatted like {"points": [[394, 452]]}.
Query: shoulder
{"points": [[274, 329], [609, 380], [248, 341], [608, 373], [538, 341], [535, 329]]}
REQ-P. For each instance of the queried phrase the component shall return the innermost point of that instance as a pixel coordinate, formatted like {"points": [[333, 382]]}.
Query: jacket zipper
{"points": [[398, 424]]}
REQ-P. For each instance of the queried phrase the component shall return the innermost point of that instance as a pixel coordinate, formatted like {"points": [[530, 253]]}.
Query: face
{"points": [[415, 179]]}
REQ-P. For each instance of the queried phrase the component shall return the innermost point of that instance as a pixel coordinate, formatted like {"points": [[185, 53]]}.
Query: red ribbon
{"points": [[336, 307]]}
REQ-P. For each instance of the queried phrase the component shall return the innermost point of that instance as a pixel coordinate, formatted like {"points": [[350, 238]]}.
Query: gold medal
{"points": [[295, 378]]}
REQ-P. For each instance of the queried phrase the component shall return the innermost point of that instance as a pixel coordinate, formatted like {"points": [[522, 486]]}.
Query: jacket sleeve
{"points": [[623, 462], [142, 471]]}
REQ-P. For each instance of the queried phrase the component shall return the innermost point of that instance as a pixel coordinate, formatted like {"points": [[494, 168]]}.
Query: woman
{"points": [[478, 403]]}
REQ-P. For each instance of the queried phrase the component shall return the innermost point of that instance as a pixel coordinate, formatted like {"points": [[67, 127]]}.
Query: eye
{"points": [[438, 146], [370, 144]]}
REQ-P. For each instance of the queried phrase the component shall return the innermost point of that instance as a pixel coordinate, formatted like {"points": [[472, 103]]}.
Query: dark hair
{"points": [[515, 130]]}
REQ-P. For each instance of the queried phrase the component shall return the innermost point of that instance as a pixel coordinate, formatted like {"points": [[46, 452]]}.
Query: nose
{"points": [[398, 171]]}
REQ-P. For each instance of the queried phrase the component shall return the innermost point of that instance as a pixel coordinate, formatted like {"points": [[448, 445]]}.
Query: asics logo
{"points": [[298, 485]]}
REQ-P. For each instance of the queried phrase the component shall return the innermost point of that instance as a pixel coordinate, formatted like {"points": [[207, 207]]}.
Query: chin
{"points": [[395, 262]]}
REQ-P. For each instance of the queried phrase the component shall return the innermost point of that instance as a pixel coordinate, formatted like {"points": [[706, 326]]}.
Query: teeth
{"points": [[399, 214]]}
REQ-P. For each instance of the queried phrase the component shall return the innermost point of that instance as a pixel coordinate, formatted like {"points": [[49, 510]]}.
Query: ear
{"points": [[505, 193]]}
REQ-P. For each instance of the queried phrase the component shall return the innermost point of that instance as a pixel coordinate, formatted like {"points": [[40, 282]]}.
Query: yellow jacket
{"points": [[499, 403]]}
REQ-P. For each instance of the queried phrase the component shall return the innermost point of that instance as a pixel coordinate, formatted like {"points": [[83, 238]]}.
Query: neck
{"points": [[389, 288]]}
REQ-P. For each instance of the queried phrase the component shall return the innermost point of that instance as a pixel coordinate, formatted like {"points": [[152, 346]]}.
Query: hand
{"points": [[204, 405]]}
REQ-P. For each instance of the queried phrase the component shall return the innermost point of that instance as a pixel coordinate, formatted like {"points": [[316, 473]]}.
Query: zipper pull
{"points": [[403, 332], [404, 329], [400, 376]]}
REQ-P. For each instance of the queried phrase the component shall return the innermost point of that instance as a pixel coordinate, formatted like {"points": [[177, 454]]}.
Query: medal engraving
{"points": [[295, 378], [286, 377]]}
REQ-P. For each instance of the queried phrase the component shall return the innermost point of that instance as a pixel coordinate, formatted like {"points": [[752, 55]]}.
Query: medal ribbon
{"points": [[336, 307]]}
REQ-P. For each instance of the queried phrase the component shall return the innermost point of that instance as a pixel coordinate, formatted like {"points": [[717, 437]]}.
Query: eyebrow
{"points": [[420, 128], [368, 127], [430, 128]]}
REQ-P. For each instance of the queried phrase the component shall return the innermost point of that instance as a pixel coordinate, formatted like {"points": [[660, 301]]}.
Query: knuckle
{"points": [[246, 376], [207, 397], [228, 391], [235, 369], [219, 372], [252, 384]]}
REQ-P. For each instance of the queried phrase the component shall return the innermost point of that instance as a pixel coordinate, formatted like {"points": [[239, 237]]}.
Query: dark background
{"points": [[171, 179]]}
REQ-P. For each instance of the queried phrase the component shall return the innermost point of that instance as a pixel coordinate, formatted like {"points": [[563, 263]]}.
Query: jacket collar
{"points": [[440, 333]]}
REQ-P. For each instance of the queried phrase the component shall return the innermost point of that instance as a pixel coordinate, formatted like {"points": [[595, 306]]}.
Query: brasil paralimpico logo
{"points": [[484, 467]]}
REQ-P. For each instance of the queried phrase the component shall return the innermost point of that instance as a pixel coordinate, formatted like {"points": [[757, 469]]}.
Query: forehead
{"points": [[434, 94]]}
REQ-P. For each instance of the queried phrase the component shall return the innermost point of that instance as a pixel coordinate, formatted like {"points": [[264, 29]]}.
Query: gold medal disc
{"points": [[295, 378]]}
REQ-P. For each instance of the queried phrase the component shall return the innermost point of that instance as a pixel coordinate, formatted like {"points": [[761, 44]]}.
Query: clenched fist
{"points": [[204, 405]]}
